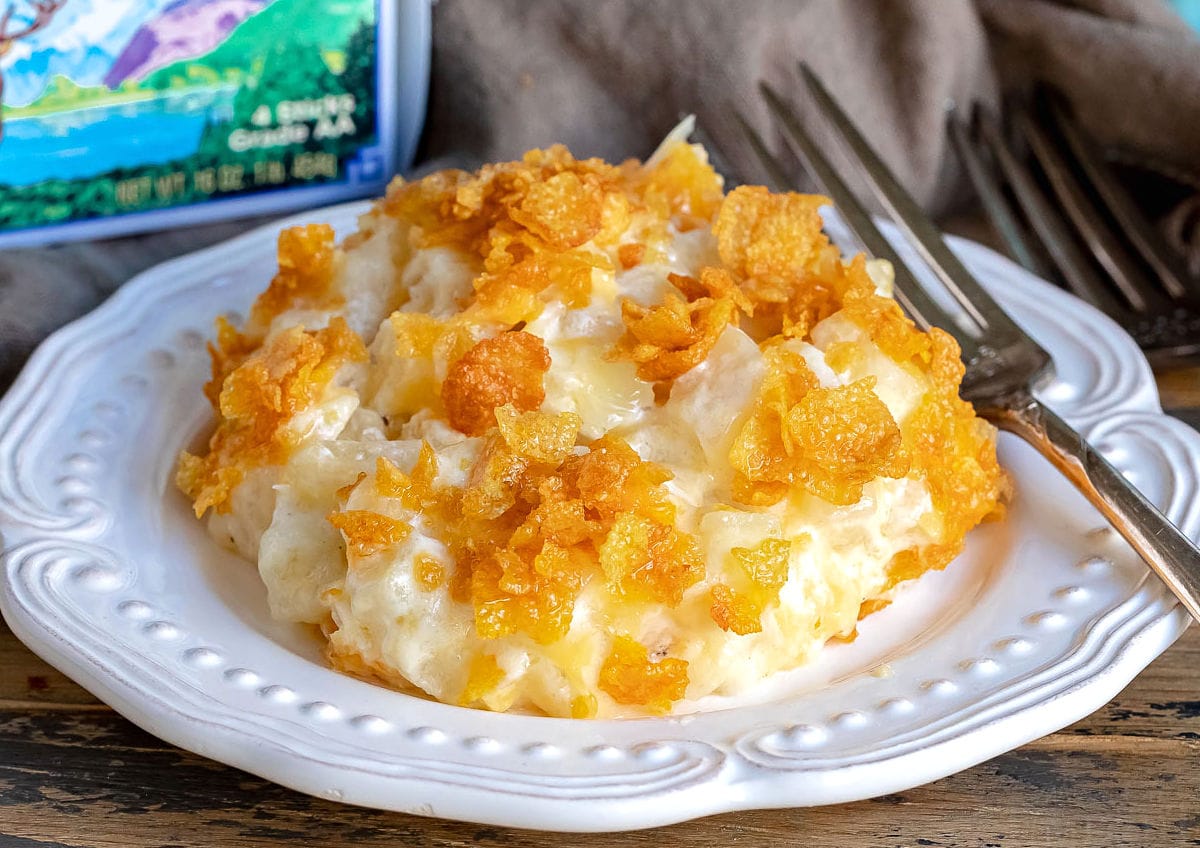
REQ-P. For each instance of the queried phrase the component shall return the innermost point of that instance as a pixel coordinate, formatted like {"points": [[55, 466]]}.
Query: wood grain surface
{"points": [[73, 773]]}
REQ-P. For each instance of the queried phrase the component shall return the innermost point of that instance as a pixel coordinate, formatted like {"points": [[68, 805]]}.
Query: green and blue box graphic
{"points": [[126, 115]]}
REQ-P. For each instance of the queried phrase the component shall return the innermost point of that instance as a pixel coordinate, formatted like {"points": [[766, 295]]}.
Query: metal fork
{"points": [[1003, 363], [1103, 246]]}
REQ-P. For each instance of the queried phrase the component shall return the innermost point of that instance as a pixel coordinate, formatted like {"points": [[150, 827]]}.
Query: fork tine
{"points": [[1103, 243], [1167, 266], [1045, 221], [715, 157], [777, 178], [919, 230], [909, 293], [992, 197]]}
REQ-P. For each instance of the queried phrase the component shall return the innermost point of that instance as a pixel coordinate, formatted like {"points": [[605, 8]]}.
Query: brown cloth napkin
{"points": [[611, 77]]}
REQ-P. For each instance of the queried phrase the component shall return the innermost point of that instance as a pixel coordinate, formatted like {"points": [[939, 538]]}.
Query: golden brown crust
{"points": [[507, 369], [368, 533], [258, 398], [628, 676], [306, 256], [546, 513]]}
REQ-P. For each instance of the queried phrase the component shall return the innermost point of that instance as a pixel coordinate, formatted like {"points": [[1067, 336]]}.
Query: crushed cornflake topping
{"points": [[507, 369], [368, 533], [306, 259], [668, 340], [258, 399], [761, 573], [547, 501], [629, 676]]}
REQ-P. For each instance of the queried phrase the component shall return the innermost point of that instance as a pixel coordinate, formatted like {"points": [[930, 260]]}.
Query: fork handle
{"points": [[1163, 546]]}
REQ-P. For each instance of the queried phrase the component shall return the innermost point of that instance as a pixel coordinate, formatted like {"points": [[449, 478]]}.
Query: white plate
{"points": [[109, 578]]}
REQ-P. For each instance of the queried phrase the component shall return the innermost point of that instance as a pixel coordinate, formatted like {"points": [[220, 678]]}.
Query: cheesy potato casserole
{"points": [[584, 439]]}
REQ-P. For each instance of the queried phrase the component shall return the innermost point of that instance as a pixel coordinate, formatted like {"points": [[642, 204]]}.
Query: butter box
{"points": [[120, 116]]}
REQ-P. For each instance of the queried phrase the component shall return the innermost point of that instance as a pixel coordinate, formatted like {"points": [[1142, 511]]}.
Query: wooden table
{"points": [[74, 773]]}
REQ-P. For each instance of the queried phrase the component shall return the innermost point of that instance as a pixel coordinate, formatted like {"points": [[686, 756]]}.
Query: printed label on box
{"points": [[112, 107]]}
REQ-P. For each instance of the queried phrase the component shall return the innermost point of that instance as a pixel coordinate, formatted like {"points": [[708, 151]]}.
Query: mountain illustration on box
{"points": [[91, 43], [99, 51], [108, 106], [183, 30]]}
